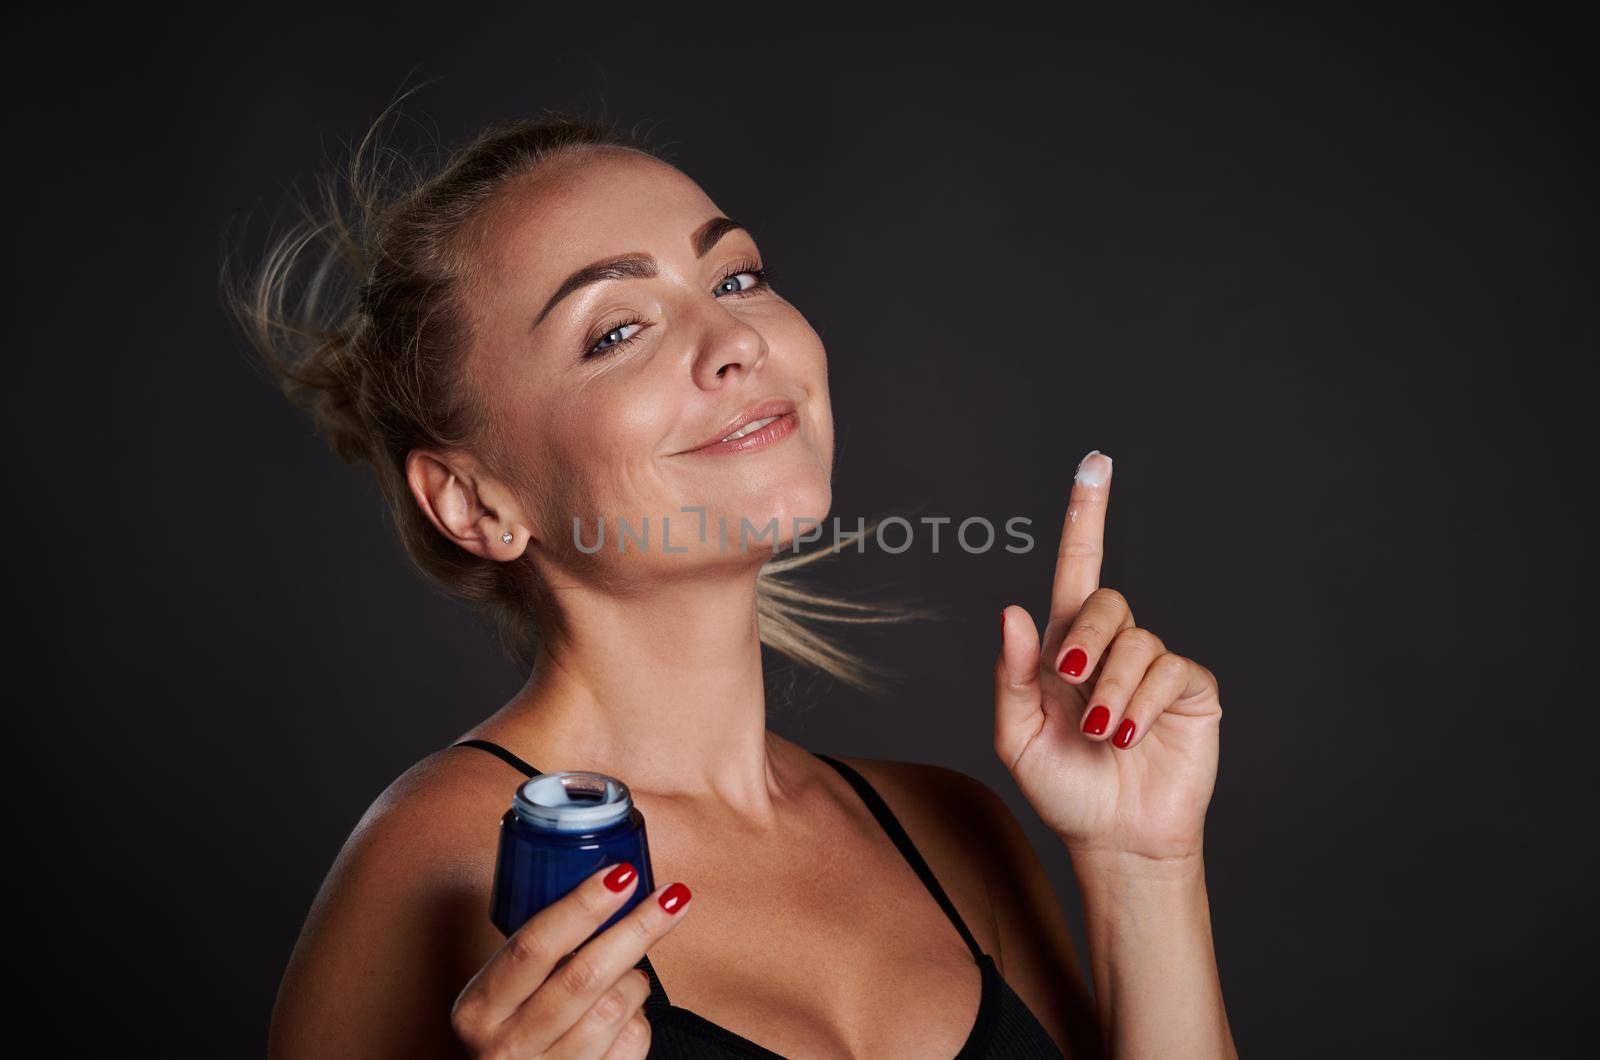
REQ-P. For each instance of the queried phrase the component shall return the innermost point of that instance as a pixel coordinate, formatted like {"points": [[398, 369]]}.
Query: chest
{"points": [[826, 949]]}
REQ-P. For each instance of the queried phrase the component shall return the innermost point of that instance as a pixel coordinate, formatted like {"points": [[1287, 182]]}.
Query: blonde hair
{"points": [[369, 333]]}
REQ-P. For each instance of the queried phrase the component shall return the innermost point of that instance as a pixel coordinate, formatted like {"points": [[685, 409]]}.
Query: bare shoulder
{"points": [[969, 834], [929, 791], [954, 809], [949, 816], [440, 819], [401, 921], [430, 803]]}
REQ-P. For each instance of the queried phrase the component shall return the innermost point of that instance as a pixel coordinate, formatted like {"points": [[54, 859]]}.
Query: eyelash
{"points": [[761, 284]]}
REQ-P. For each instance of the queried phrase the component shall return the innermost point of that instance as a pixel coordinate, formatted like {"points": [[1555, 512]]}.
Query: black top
{"points": [[1004, 1028]]}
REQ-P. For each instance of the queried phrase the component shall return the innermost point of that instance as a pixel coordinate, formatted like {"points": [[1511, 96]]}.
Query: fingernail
{"points": [[643, 975], [1095, 723], [1093, 472], [673, 898], [619, 878], [1124, 734], [1073, 662]]}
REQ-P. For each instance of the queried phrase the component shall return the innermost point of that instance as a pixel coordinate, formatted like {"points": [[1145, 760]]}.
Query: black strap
{"points": [[891, 824], [501, 753], [658, 993]]}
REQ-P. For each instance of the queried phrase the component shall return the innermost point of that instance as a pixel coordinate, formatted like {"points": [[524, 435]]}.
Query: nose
{"points": [[729, 347]]}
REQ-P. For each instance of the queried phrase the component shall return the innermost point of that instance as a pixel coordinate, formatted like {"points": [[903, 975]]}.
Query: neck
{"points": [[662, 689]]}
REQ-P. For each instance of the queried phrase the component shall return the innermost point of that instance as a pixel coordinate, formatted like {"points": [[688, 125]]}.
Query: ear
{"points": [[470, 510]]}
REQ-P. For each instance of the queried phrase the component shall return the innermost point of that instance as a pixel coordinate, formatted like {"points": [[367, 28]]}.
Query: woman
{"points": [[556, 331]]}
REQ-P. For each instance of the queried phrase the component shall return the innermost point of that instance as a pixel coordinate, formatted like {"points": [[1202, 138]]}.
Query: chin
{"points": [[798, 508]]}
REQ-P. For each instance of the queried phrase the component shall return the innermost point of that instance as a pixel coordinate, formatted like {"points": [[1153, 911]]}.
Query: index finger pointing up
{"points": [[1083, 537]]}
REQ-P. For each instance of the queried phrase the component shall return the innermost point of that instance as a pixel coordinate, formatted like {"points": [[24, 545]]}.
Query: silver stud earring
{"points": [[506, 537]]}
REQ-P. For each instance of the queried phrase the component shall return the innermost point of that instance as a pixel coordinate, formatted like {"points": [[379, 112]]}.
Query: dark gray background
{"points": [[1321, 284]]}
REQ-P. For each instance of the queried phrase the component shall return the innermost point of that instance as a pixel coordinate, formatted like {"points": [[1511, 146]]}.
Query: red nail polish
{"points": [[1073, 662], [1094, 723], [673, 898], [1124, 734], [619, 878]]}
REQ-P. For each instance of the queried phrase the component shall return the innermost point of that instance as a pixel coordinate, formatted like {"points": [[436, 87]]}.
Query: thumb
{"points": [[1017, 711]]}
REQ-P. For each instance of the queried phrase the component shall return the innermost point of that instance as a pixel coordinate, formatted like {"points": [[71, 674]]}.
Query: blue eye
{"points": [[616, 338], [731, 283]]}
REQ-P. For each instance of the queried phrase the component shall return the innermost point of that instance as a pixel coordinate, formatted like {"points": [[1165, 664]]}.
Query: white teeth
{"points": [[747, 428]]}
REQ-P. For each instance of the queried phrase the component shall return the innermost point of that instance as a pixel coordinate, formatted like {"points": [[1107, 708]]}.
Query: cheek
{"points": [[810, 367], [606, 444]]}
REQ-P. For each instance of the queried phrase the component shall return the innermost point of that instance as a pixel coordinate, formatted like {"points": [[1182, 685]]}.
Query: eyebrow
{"points": [[636, 266], [705, 237]]}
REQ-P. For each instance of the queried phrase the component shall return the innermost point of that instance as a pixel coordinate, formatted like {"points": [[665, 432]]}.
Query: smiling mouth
{"points": [[757, 434]]}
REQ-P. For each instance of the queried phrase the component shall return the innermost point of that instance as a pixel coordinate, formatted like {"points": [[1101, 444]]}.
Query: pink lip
{"points": [[775, 431], [786, 424]]}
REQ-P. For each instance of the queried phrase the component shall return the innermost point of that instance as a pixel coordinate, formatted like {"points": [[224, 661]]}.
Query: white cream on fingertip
{"points": [[1092, 472]]}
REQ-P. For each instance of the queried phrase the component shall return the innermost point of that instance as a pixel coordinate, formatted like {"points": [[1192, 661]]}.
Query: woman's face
{"points": [[603, 385]]}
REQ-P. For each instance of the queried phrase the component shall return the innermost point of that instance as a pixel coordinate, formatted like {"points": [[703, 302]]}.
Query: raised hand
{"points": [[1111, 737]]}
